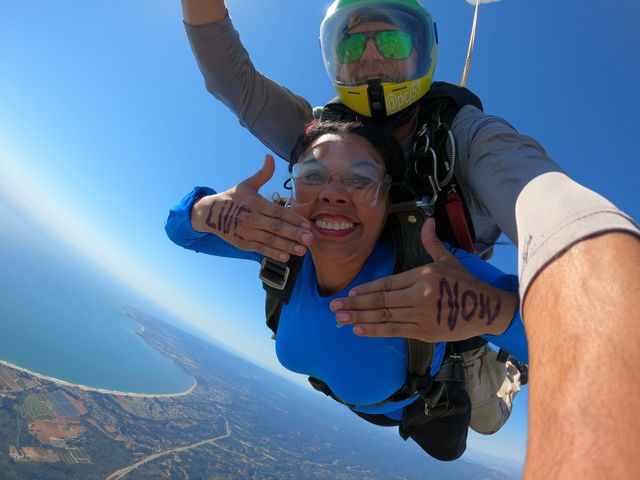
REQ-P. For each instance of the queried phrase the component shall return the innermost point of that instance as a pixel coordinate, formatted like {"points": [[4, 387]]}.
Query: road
{"points": [[124, 471]]}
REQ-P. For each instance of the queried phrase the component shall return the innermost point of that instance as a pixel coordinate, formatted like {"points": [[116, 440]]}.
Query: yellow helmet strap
{"points": [[383, 99]]}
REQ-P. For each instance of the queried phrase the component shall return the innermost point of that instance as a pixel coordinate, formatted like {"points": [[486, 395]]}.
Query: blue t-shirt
{"points": [[359, 370]]}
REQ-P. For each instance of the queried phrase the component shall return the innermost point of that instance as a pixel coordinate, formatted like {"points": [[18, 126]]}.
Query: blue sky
{"points": [[105, 123]]}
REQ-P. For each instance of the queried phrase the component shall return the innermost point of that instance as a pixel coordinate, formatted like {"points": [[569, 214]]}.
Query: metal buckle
{"points": [[274, 274], [427, 206], [423, 133]]}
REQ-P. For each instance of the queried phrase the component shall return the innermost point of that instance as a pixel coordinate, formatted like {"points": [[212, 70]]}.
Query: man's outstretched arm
{"points": [[581, 314], [579, 266], [269, 111], [200, 12]]}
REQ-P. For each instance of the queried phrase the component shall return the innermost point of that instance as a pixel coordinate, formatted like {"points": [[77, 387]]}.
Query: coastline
{"points": [[103, 391]]}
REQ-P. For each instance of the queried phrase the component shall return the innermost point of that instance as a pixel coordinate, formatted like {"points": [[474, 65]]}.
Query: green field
{"points": [[35, 407], [74, 455]]}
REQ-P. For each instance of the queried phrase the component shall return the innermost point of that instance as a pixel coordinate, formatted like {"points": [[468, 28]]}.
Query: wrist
{"points": [[202, 12], [509, 304], [198, 213]]}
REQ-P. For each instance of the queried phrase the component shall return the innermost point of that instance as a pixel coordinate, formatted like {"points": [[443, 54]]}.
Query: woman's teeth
{"points": [[333, 225]]}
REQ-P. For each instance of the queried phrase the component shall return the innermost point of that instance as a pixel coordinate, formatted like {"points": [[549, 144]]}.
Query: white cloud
{"points": [[473, 2]]}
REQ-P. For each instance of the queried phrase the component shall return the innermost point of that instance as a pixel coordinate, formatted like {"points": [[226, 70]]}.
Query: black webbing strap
{"points": [[437, 401], [451, 371], [430, 389], [460, 96], [462, 346], [419, 357], [402, 394], [503, 356], [278, 280], [274, 275]]}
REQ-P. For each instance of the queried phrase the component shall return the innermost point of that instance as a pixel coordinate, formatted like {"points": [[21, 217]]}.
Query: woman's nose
{"points": [[334, 192]]}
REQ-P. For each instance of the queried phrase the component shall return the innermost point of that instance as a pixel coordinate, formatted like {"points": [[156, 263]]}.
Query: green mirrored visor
{"points": [[392, 44]]}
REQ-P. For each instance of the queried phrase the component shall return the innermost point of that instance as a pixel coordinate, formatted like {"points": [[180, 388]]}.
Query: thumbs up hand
{"points": [[440, 301], [248, 221]]}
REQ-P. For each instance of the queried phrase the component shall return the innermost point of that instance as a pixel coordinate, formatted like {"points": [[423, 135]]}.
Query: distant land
{"points": [[238, 421]]}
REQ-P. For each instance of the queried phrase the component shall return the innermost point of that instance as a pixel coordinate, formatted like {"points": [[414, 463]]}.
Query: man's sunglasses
{"points": [[392, 44]]}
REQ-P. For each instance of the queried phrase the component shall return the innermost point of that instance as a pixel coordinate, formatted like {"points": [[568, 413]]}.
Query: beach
{"points": [[64, 383]]}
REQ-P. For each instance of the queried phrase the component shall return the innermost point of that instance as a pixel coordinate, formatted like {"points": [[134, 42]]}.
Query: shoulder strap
{"points": [[336, 111], [419, 357], [430, 169], [453, 96], [278, 280]]}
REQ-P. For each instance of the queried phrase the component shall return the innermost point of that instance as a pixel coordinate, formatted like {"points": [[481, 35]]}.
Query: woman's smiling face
{"points": [[348, 205]]}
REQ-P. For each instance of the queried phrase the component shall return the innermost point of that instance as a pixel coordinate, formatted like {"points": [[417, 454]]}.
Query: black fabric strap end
{"points": [[503, 356], [274, 274]]}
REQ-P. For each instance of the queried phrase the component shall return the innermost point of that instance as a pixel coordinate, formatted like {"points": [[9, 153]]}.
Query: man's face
{"points": [[372, 64]]}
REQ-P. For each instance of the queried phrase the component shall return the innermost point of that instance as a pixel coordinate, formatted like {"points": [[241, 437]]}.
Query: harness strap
{"points": [[437, 402], [455, 212], [404, 393], [503, 356], [467, 345], [419, 357], [430, 389], [435, 150], [274, 274], [278, 280]]}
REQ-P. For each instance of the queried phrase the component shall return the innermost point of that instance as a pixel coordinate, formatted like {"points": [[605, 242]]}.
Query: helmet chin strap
{"points": [[380, 118], [376, 100]]}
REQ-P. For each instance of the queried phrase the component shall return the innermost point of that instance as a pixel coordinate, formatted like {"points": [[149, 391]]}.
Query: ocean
{"points": [[61, 315]]}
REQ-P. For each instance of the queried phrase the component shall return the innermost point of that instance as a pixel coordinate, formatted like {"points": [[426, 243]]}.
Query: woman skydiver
{"points": [[345, 178]]}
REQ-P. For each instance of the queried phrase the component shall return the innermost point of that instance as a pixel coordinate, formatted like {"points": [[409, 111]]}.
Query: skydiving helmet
{"points": [[380, 54]]}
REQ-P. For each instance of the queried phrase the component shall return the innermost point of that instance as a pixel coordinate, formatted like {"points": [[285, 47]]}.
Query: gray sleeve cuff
{"points": [[553, 213], [207, 30]]}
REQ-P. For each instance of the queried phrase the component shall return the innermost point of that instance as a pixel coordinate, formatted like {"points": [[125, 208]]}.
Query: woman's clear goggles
{"points": [[365, 185], [392, 45]]}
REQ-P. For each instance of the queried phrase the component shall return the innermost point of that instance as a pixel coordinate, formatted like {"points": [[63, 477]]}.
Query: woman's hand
{"points": [[440, 301], [248, 221]]}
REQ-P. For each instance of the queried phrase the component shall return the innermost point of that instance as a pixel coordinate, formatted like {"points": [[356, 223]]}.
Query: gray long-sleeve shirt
{"points": [[509, 181]]}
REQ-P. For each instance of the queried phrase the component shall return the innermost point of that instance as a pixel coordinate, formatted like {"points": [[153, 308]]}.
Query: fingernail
{"points": [[306, 238], [358, 330], [353, 293], [283, 257], [343, 317], [300, 249], [305, 225], [336, 305]]}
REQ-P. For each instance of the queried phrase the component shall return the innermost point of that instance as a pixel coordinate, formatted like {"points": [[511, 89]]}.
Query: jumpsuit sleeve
{"points": [[537, 205], [513, 339], [179, 230], [269, 111]]}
